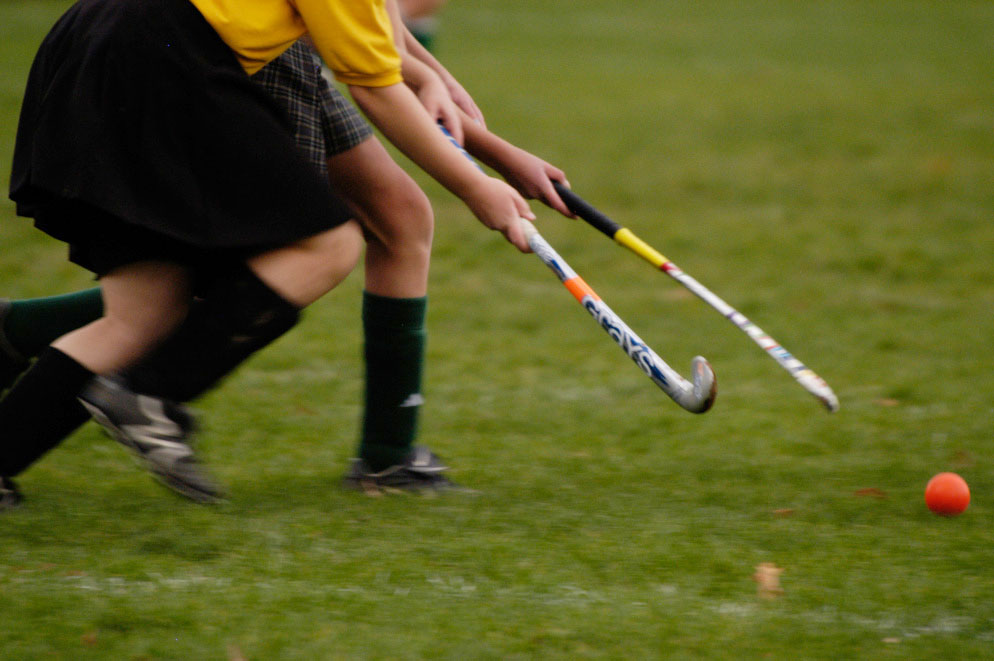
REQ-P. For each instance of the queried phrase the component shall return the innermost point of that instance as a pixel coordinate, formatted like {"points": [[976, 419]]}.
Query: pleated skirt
{"points": [[141, 136]]}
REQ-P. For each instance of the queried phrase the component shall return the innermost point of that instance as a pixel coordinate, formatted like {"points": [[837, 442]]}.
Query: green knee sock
{"points": [[395, 337], [32, 324]]}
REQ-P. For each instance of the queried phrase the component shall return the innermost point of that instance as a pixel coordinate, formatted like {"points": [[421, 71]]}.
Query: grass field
{"points": [[824, 166]]}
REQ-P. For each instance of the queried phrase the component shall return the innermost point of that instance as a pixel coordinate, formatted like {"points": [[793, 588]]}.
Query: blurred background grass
{"points": [[823, 166]]}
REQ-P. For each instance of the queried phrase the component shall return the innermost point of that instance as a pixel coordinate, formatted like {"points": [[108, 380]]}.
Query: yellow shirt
{"points": [[354, 37]]}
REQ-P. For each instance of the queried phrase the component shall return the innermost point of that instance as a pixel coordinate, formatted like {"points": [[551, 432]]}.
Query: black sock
{"points": [[238, 315], [41, 410]]}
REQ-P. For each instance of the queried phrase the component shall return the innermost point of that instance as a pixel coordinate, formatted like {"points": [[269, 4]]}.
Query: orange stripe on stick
{"points": [[580, 289]]}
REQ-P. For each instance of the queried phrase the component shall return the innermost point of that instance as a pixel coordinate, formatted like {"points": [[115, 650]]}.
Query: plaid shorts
{"points": [[324, 122]]}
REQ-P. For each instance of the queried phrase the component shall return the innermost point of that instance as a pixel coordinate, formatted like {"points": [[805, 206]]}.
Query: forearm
{"points": [[529, 174], [488, 148], [400, 33], [416, 49], [417, 74], [398, 114], [417, 62]]}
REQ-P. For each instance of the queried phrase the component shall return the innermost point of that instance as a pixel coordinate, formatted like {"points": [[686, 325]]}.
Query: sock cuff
{"points": [[72, 369], [386, 312], [239, 315], [5, 345], [243, 283]]}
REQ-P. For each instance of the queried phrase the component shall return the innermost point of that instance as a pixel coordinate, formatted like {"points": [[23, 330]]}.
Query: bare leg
{"points": [[304, 271], [143, 302], [396, 215]]}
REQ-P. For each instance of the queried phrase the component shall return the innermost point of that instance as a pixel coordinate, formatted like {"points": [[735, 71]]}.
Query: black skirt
{"points": [[138, 119]]}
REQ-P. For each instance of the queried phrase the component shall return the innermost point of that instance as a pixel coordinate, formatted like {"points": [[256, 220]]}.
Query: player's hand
{"points": [[533, 178], [463, 99], [434, 96], [499, 207]]}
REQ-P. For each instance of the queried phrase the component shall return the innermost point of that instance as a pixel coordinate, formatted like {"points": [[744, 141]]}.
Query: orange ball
{"points": [[947, 494]]}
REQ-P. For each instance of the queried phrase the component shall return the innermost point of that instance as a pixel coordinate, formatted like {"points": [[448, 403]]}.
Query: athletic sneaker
{"points": [[12, 363], [10, 496], [157, 431], [421, 471]]}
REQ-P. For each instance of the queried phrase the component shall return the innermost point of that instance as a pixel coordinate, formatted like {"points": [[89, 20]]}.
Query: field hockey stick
{"points": [[810, 381], [696, 397]]}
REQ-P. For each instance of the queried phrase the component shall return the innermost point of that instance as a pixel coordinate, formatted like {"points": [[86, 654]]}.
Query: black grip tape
{"points": [[585, 210]]}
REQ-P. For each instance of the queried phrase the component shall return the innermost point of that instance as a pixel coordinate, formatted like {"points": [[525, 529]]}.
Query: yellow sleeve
{"points": [[355, 38]]}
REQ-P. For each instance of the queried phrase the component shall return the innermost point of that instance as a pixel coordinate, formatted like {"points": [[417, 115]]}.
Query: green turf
{"points": [[824, 166]]}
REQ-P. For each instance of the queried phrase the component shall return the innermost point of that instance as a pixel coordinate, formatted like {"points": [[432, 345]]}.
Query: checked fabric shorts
{"points": [[325, 123]]}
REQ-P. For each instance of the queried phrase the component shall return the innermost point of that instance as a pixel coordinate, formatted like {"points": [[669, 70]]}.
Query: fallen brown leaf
{"points": [[767, 579], [871, 492], [963, 459]]}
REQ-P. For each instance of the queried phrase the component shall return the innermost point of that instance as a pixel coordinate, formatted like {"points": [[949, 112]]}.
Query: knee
{"points": [[306, 270], [148, 327], [402, 220], [332, 255]]}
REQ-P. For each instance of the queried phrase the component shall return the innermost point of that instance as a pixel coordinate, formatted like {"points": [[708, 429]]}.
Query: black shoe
{"points": [[12, 363], [10, 496], [157, 431], [422, 471]]}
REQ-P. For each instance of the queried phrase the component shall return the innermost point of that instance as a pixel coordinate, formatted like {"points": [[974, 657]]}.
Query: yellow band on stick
{"points": [[625, 237]]}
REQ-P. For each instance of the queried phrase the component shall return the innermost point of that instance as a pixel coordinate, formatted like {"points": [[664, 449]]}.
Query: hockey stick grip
{"points": [[585, 210]]}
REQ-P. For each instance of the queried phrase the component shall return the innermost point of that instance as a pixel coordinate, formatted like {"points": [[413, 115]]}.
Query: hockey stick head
{"points": [[700, 397], [696, 396], [815, 385]]}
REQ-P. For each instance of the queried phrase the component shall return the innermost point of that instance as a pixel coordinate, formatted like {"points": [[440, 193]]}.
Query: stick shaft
{"points": [[695, 397], [806, 377]]}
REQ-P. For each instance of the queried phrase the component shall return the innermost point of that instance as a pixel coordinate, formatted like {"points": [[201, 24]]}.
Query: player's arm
{"points": [[528, 173], [356, 41], [458, 93], [401, 118], [423, 80]]}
